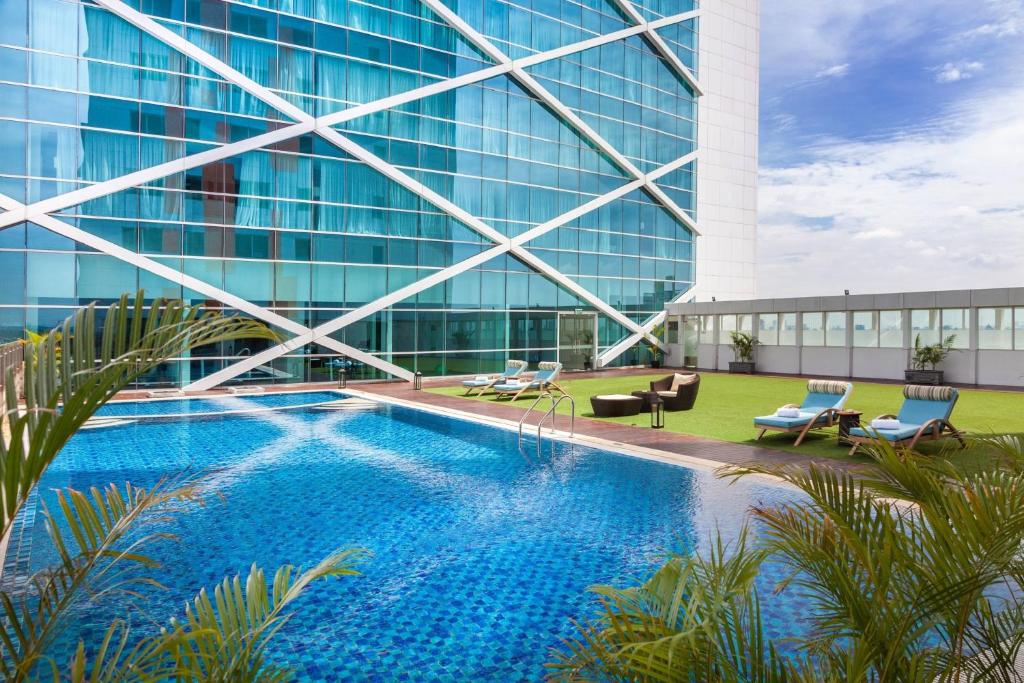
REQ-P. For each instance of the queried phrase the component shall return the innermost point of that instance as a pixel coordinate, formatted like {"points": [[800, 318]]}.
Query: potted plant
{"points": [[926, 358], [743, 345], [656, 353]]}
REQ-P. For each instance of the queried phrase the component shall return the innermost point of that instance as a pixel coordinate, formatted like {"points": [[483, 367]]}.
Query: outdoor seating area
{"points": [[924, 416], [818, 410], [512, 383], [835, 410]]}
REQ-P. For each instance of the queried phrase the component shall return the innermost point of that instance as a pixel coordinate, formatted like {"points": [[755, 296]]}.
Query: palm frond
{"points": [[90, 533], [77, 368], [224, 636], [695, 619]]}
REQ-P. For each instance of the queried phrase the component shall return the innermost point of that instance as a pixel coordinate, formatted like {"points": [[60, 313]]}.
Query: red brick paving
{"points": [[642, 436]]}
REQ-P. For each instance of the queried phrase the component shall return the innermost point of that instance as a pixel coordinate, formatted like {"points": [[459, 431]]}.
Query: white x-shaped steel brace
{"points": [[306, 123]]}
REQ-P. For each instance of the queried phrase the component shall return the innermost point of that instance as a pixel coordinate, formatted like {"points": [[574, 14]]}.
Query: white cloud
{"points": [[951, 73], [801, 38], [1007, 20], [834, 71], [939, 208]]}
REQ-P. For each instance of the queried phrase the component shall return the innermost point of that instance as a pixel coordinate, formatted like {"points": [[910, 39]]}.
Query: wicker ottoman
{"points": [[616, 405]]}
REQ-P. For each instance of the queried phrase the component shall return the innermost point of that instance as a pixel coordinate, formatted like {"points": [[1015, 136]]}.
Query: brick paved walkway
{"points": [[644, 437]]}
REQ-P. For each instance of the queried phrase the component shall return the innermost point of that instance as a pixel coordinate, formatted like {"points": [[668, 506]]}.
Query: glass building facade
{"points": [[214, 155]]}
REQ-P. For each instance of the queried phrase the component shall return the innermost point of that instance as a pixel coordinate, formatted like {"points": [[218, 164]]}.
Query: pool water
{"points": [[482, 552], [215, 404]]}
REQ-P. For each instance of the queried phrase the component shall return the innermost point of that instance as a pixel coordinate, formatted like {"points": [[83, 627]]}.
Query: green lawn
{"points": [[727, 403]]}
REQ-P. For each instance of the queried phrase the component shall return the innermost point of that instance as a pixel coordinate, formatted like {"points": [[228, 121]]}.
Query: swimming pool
{"points": [[481, 552], [215, 404]]}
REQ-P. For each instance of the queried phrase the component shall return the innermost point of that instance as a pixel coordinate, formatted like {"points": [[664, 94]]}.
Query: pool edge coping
{"points": [[630, 450]]}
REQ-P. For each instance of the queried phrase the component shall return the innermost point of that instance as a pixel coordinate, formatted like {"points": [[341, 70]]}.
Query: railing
{"points": [[544, 395], [550, 413], [11, 357]]}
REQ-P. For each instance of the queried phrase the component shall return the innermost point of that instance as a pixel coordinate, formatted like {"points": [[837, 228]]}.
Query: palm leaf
{"points": [[77, 368], [694, 619], [224, 636], [90, 533]]}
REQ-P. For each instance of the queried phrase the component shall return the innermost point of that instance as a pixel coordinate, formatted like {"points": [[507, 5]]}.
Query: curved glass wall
{"points": [[309, 232]]}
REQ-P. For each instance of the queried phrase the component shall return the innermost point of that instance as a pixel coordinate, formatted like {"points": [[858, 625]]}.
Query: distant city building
{"points": [[395, 187]]}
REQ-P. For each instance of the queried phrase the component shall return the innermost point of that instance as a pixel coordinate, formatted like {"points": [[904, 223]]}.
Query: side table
{"points": [[646, 397], [848, 419]]}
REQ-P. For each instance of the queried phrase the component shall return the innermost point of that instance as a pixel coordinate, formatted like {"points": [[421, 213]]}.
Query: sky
{"points": [[892, 146]]}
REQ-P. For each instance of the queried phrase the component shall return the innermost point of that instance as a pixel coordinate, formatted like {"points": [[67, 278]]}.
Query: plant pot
{"points": [[588, 365], [741, 367], [655, 363], [933, 377]]}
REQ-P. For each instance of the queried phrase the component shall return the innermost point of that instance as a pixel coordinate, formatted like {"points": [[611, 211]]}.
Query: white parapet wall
{"points": [[864, 336]]}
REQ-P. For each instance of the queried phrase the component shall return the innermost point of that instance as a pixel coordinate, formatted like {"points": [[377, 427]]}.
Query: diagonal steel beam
{"points": [[616, 350], [520, 75], [411, 289], [659, 44], [141, 21], [264, 94], [322, 127], [177, 277]]}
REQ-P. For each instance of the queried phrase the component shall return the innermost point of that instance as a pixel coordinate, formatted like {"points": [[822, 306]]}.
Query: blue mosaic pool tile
{"points": [[482, 553]]}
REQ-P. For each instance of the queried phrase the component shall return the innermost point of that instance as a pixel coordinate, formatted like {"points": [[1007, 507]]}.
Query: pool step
{"points": [[349, 404], [103, 422], [165, 393], [246, 390]]}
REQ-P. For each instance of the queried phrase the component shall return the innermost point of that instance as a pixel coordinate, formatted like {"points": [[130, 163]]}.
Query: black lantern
{"points": [[657, 413], [417, 381], [342, 378]]}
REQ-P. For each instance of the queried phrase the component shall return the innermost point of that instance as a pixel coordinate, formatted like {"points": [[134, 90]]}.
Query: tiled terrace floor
{"points": [[644, 437]]}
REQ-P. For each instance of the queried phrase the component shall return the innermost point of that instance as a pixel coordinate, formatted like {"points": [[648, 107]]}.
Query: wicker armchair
{"points": [[682, 398]]}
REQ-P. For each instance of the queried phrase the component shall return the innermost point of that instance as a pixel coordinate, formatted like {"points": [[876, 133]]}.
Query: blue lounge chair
{"points": [[818, 411], [544, 380], [924, 416], [513, 368]]}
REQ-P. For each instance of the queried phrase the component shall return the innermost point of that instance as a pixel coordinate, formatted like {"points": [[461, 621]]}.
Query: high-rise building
{"points": [[393, 185]]}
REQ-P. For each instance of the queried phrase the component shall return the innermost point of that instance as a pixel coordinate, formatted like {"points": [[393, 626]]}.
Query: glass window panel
{"points": [[813, 329], [364, 284], [955, 323], [726, 326], [835, 333], [706, 324], [768, 328], [890, 325], [787, 329], [745, 323], [104, 277], [924, 325], [672, 331], [865, 329], [252, 280], [995, 328], [1018, 328], [50, 278]]}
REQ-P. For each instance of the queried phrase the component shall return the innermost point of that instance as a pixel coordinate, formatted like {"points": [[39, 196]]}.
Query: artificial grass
{"points": [[727, 404]]}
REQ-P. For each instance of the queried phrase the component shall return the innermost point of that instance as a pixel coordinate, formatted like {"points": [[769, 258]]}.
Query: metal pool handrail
{"points": [[544, 394], [551, 412]]}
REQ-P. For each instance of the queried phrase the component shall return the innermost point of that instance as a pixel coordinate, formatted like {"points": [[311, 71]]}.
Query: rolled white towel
{"points": [[512, 382], [483, 378], [788, 412], [885, 423]]}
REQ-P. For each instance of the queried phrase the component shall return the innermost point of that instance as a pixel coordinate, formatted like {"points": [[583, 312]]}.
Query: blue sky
{"points": [[892, 145]]}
